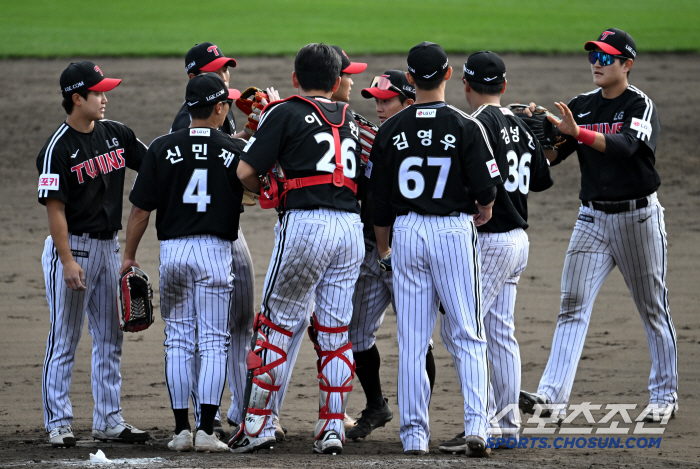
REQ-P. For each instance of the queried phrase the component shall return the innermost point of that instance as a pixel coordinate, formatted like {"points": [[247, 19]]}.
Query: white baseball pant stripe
{"points": [[437, 259], [635, 242], [100, 262], [196, 284], [317, 256]]}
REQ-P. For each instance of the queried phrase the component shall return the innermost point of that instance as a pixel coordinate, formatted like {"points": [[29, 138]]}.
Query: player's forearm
{"points": [[551, 155], [595, 140], [383, 233], [135, 228], [58, 227], [249, 177]]}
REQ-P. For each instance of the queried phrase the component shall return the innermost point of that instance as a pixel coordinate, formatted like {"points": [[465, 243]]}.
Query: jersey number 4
{"points": [[196, 190], [347, 152], [518, 172], [407, 174]]}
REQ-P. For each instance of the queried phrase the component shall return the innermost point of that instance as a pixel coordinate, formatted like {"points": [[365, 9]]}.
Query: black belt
{"points": [[617, 207], [103, 235]]}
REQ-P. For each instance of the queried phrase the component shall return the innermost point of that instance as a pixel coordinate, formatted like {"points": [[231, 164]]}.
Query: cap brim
{"points": [[375, 92], [233, 93], [355, 67], [107, 84], [216, 64], [607, 48]]}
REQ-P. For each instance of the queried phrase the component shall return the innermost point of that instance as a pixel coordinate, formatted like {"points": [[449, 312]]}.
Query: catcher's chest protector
{"points": [[275, 186]]}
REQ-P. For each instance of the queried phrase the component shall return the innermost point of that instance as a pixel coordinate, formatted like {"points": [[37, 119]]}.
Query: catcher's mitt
{"points": [[252, 101], [545, 132], [367, 133], [134, 301]]}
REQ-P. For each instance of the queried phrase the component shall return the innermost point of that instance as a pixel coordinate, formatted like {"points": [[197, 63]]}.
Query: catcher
{"points": [[189, 177]]}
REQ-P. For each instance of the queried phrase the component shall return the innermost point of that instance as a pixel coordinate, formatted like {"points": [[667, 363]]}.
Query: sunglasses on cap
{"points": [[382, 82], [603, 58]]}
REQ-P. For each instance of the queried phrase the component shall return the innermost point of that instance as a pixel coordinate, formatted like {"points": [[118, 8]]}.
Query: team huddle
{"points": [[427, 212]]}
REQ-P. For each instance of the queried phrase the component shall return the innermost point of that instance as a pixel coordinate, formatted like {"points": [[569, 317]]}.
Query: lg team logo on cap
{"points": [[214, 49], [97, 69], [606, 34]]}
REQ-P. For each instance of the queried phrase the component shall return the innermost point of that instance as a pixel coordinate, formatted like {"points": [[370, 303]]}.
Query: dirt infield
{"points": [[615, 365]]}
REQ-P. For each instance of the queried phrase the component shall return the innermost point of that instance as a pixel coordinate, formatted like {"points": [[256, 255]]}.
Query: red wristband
{"points": [[586, 136]]}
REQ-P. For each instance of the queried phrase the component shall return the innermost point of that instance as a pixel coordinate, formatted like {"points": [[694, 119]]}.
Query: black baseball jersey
{"points": [[522, 165], [183, 121], [608, 177], [427, 159], [293, 134], [189, 178], [86, 172]]}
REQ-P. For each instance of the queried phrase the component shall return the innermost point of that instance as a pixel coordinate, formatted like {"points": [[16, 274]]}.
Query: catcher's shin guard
{"points": [[261, 377], [327, 385]]}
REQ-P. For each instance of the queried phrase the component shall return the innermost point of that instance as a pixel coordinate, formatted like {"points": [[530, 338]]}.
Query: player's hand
{"points": [[272, 94], [567, 125], [127, 264], [484, 214], [74, 276]]}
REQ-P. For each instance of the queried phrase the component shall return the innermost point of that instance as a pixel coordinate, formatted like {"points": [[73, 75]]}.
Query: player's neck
{"points": [[79, 122], [477, 100], [315, 93], [212, 122], [615, 89], [430, 96]]}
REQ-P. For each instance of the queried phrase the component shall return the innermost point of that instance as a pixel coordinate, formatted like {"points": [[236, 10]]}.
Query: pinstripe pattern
{"points": [[196, 284], [635, 242], [68, 309], [316, 257], [49, 154], [436, 259]]}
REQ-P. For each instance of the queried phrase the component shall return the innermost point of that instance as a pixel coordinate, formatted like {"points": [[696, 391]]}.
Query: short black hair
{"points": [[428, 85], [201, 112], [317, 67], [68, 103], [489, 90]]}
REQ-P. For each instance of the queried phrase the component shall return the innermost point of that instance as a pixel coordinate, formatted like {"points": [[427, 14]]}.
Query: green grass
{"points": [[60, 28]]}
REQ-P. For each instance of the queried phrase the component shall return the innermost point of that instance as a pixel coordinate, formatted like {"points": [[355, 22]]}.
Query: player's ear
{"points": [[408, 102], [410, 78], [191, 75], [295, 82], [627, 66], [336, 86], [503, 90], [76, 99], [448, 74]]}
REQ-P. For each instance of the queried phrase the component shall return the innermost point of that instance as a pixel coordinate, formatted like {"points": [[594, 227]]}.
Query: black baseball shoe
{"points": [[457, 445], [372, 417], [477, 447], [529, 401]]}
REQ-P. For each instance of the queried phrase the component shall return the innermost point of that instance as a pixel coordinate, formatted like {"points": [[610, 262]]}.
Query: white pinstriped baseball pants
{"points": [[635, 242], [437, 259]]}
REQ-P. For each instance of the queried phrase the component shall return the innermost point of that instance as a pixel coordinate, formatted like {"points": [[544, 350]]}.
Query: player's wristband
{"points": [[586, 136]]}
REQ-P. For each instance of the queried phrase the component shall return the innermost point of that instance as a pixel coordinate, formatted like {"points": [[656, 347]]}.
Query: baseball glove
{"points": [[252, 101], [385, 263], [367, 133], [545, 132], [134, 301]]}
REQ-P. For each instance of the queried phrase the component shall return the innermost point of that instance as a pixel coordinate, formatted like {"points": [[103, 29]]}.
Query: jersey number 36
{"points": [[518, 172]]}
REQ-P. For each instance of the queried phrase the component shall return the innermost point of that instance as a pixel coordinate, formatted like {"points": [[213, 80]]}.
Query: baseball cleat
{"points": [[328, 443], [477, 447], [414, 452], [280, 431], [123, 432], [62, 437], [529, 401], [656, 413], [372, 417], [457, 445], [219, 431], [181, 442], [250, 444], [206, 443]]}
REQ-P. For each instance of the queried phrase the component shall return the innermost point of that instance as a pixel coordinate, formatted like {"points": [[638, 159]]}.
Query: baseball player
{"points": [[189, 177], [81, 182], [504, 243], [373, 291], [614, 130], [429, 162], [313, 143], [347, 69]]}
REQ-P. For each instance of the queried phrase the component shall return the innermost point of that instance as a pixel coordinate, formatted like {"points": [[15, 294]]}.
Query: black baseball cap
{"points": [[615, 42], [427, 62], [485, 67], [207, 89], [85, 75], [347, 66], [206, 57], [391, 83]]}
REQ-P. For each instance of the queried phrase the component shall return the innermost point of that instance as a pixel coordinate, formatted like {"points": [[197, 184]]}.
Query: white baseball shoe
{"points": [[655, 413], [209, 443], [328, 443], [62, 437], [123, 432], [181, 441]]}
